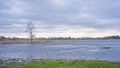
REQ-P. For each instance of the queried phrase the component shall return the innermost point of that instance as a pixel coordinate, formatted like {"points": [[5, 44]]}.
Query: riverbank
{"points": [[61, 64], [23, 41]]}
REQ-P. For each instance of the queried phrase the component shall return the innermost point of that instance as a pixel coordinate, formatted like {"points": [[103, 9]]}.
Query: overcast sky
{"points": [[60, 18]]}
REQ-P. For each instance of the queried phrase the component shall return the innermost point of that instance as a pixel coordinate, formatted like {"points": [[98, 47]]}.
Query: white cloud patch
{"points": [[60, 31], [20, 35], [60, 3], [15, 7]]}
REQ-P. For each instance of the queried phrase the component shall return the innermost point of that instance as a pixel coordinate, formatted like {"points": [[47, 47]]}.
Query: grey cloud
{"points": [[101, 14]]}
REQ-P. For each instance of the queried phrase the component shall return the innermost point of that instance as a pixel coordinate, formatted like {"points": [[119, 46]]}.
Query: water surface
{"points": [[64, 49]]}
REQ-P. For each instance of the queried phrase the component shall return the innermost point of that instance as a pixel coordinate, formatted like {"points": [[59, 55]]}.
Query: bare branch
{"points": [[30, 29]]}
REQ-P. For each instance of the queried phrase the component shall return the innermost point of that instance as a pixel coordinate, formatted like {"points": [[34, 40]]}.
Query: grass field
{"points": [[63, 64]]}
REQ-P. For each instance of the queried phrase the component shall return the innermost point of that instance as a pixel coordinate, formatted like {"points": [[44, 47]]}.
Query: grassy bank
{"points": [[63, 64]]}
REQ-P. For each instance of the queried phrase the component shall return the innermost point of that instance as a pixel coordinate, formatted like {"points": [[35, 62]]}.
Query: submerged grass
{"points": [[63, 64]]}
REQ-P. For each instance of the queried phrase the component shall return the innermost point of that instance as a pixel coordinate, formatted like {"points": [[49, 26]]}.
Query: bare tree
{"points": [[30, 29]]}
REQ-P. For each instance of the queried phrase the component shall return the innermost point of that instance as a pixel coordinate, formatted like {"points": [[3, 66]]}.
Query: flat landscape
{"points": [[59, 33]]}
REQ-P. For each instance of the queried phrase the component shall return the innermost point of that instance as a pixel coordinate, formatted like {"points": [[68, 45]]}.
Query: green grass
{"points": [[63, 64]]}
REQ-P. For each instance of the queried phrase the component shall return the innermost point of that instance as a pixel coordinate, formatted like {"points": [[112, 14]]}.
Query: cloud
{"points": [[60, 3], [58, 30], [61, 17], [14, 7]]}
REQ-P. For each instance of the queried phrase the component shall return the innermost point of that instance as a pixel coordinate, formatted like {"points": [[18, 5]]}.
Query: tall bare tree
{"points": [[30, 29]]}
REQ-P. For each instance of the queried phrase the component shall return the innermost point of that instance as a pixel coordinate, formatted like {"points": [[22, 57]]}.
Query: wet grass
{"points": [[63, 64]]}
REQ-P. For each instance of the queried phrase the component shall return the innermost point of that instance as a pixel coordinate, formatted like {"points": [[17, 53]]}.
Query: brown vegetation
{"points": [[23, 41]]}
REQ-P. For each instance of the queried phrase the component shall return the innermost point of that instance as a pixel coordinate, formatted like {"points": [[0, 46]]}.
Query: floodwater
{"points": [[108, 50]]}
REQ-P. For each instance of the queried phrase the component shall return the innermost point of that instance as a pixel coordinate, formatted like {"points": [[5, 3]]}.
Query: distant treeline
{"points": [[112, 37], [63, 38], [14, 38]]}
